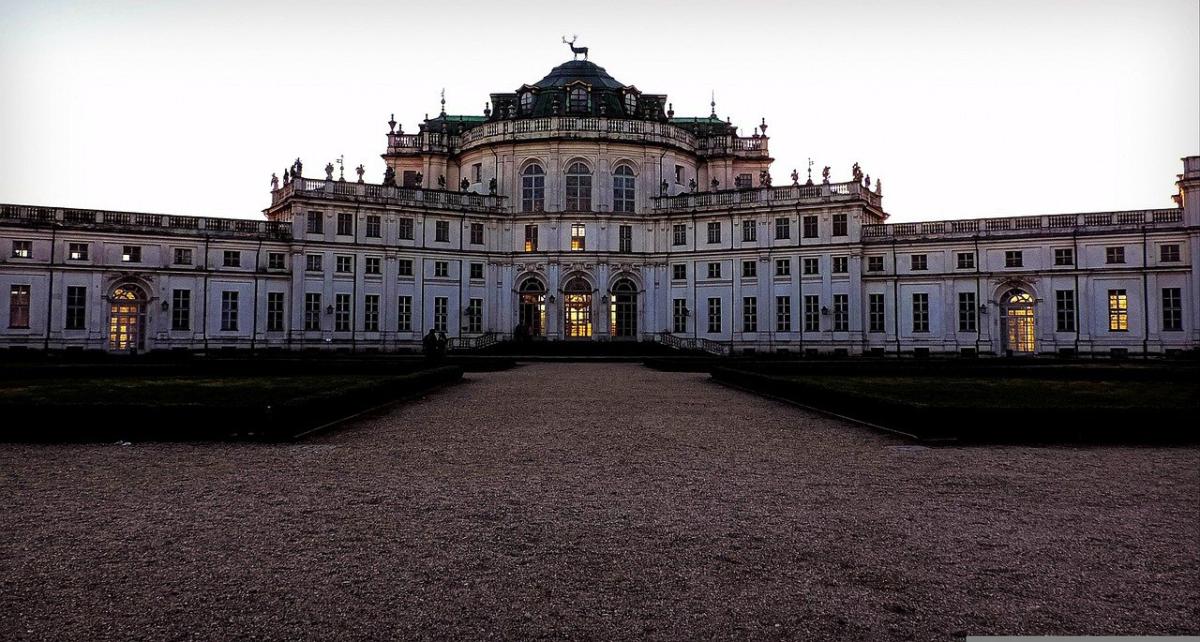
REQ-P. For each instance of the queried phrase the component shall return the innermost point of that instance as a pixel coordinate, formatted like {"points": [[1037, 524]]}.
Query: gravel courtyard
{"points": [[595, 501]]}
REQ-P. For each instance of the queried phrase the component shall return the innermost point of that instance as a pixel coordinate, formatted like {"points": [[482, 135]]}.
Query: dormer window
{"points": [[527, 102], [631, 103], [578, 100]]}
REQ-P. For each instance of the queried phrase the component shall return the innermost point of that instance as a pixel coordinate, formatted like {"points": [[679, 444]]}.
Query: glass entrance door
{"points": [[127, 318], [577, 309], [1019, 322], [623, 321]]}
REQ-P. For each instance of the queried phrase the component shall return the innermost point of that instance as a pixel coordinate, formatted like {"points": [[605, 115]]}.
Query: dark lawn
{"points": [[229, 392]]}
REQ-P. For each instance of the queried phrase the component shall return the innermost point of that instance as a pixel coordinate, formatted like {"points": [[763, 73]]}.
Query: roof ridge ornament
{"points": [[575, 51]]}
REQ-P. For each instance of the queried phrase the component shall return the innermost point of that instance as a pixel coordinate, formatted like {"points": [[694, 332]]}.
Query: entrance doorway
{"points": [[1019, 322], [624, 309], [532, 310], [127, 318], [577, 309]]}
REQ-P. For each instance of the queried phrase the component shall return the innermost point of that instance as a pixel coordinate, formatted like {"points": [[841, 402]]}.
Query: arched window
{"points": [[578, 101], [630, 104], [532, 310], [623, 191], [127, 318], [623, 310], [527, 103], [579, 188], [1020, 321], [577, 309], [533, 189]]}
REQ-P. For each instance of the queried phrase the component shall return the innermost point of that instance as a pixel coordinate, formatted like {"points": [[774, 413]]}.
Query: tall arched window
{"points": [[623, 191], [579, 188], [578, 101], [527, 103], [533, 189], [630, 104]]}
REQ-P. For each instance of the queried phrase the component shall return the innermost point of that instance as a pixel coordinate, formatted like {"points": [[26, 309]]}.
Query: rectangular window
{"points": [[1064, 256], [874, 263], [276, 261], [373, 265], [679, 174], [476, 233], [76, 308], [783, 314], [839, 225], [404, 314], [404, 267], [405, 231], [345, 224], [967, 312], [374, 226], [1114, 255], [714, 232], [918, 262], [1118, 311], [231, 258], [743, 181], [841, 264], [441, 307], [441, 231], [749, 232], [920, 312], [131, 254], [811, 265], [475, 315], [477, 271], [876, 312], [714, 315], [625, 238], [275, 312], [679, 271], [810, 230], [966, 260], [183, 256], [749, 314], [1014, 259], [229, 311], [371, 313], [578, 237], [783, 228], [749, 269], [22, 249], [18, 306], [841, 312], [410, 178], [1168, 253], [1064, 310], [1172, 309], [312, 262], [477, 173], [531, 238], [679, 315], [341, 313], [79, 251], [812, 313], [344, 264], [678, 235], [783, 267], [441, 268], [312, 311], [181, 310], [316, 222], [714, 270]]}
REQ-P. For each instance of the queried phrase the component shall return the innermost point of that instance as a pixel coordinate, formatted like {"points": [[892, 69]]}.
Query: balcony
{"points": [[1025, 225], [103, 220], [380, 194], [768, 196]]}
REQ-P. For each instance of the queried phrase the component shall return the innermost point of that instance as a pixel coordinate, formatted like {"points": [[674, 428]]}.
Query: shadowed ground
{"points": [[596, 501]]}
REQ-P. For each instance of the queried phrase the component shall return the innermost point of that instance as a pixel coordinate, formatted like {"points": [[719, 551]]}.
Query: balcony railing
{"points": [[101, 219], [786, 195], [417, 197], [1049, 223]]}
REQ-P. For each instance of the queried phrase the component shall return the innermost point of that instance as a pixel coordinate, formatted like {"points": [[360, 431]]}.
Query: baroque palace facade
{"points": [[581, 208]]}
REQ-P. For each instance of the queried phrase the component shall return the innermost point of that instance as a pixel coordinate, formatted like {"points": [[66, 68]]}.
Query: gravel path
{"points": [[595, 501]]}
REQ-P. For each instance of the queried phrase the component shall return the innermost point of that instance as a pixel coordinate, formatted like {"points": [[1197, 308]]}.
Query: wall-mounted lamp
{"points": [[983, 309], [329, 309], [552, 299], [824, 310], [604, 299], [165, 306]]}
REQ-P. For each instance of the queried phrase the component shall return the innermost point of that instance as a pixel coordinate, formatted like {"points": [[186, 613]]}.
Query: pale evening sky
{"points": [[964, 109]]}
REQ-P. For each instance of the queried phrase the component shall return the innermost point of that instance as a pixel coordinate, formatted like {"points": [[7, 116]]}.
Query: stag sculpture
{"points": [[575, 50]]}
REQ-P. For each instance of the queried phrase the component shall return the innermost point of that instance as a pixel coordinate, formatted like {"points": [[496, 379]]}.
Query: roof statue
{"points": [[575, 50]]}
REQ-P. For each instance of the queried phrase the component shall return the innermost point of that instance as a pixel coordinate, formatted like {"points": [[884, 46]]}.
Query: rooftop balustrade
{"points": [[1016, 225], [785, 195], [368, 192], [138, 221]]}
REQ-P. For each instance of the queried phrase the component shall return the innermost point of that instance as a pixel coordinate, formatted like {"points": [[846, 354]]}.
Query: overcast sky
{"points": [[964, 109]]}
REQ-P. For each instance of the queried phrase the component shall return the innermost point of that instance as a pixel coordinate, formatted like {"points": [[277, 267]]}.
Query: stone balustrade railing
{"points": [[123, 221], [784, 195], [1042, 224], [369, 192]]}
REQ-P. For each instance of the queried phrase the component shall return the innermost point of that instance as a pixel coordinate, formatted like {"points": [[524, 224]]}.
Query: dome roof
{"points": [[578, 70]]}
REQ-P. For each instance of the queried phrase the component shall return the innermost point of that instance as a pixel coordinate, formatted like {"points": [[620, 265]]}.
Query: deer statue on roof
{"points": [[575, 50]]}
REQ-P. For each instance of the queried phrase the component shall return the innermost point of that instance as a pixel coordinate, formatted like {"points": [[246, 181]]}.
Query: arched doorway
{"points": [[127, 318], [531, 313], [577, 309], [1019, 322], [624, 309]]}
